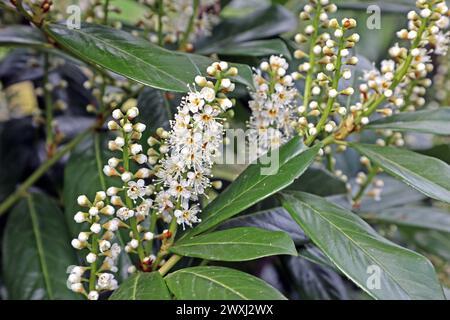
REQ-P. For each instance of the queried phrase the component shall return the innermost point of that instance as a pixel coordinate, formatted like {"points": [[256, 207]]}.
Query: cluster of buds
{"points": [[97, 241], [133, 198], [273, 105], [176, 18], [407, 92], [329, 61], [174, 172], [193, 143]]}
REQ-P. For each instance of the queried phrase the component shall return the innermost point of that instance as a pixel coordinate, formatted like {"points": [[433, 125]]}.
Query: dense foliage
{"points": [[206, 149]]}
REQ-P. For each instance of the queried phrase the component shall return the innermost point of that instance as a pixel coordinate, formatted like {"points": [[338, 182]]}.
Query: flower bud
{"points": [[80, 217], [91, 257], [96, 228]]}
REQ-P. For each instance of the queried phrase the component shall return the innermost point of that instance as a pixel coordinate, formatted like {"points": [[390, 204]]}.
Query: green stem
{"points": [[99, 161], [160, 25], [152, 228], [184, 40], [128, 201], [48, 106], [168, 243], [312, 57], [93, 270], [169, 264], [330, 101], [22, 11], [371, 175], [105, 11]]}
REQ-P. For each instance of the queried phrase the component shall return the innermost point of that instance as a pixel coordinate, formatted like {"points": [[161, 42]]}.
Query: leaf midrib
{"points": [[130, 55], [216, 282], [39, 246], [218, 211], [409, 171], [356, 244]]}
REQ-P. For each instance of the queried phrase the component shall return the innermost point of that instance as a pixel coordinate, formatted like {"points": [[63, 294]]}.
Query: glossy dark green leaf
{"points": [[255, 48], [426, 174], [36, 251], [219, 283], [427, 121], [134, 58], [263, 23], [357, 250], [313, 254], [253, 186], [417, 217], [320, 182], [276, 219], [432, 242], [142, 286], [19, 35], [315, 282], [441, 152], [238, 244]]}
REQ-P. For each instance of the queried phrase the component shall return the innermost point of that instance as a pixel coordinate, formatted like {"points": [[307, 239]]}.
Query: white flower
{"points": [[144, 208], [187, 216], [208, 93], [124, 213], [136, 189], [93, 295], [195, 101], [180, 189], [106, 281], [104, 245]]}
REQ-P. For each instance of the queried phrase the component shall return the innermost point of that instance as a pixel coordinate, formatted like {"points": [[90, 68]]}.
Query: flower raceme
{"points": [[326, 67], [165, 182], [273, 105], [194, 142]]}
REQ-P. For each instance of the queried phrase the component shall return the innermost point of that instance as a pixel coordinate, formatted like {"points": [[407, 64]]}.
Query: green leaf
{"points": [[37, 251], [239, 244], [142, 286], [263, 23], [255, 48], [427, 121], [131, 57], [320, 182], [18, 35], [353, 246], [434, 242], [315, 282], [417, 217], [441, 152], [252, 186], [425, 174], [219, 283], [275, 219]]}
